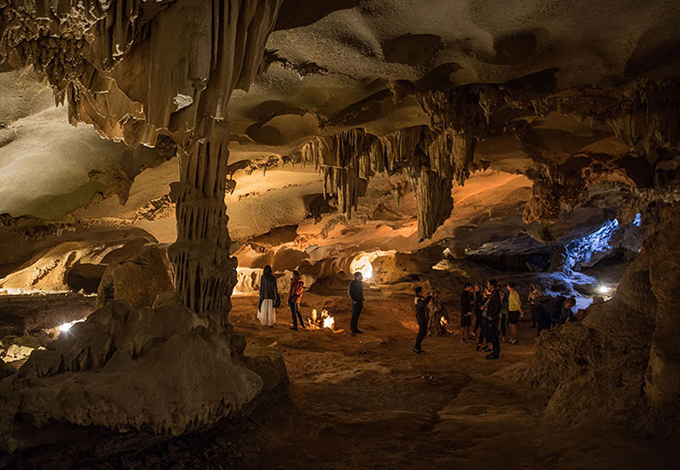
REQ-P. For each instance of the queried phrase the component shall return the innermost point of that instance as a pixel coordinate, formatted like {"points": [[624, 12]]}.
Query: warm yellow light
{"points": [[362, 263]]}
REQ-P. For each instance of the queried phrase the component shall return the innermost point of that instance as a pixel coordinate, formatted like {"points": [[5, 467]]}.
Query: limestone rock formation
{"points": [[138, 279], [620, 364], [162, 368]]}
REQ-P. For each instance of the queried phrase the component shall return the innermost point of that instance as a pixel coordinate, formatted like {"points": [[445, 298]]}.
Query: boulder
{"points": [[139, 279]]}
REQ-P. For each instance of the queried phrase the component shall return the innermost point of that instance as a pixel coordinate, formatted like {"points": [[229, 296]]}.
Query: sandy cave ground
{"points": [[369, 402]]}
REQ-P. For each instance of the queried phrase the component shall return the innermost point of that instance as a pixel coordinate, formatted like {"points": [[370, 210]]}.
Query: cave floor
{"points": [[369, 402]]}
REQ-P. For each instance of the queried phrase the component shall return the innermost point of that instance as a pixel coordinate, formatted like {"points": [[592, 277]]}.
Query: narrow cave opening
{"points": [[85, 277]]}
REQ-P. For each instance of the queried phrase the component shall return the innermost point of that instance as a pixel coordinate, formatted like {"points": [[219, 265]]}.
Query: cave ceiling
{"points": [[573, 97]]}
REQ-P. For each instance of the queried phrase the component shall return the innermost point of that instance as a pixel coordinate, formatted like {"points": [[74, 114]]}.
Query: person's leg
{"points": [[495, 339], [484, 333], [422, 332], [513, 318], [293, 315], [356, 311], [503, 326], [533, 316], [299, 314]]}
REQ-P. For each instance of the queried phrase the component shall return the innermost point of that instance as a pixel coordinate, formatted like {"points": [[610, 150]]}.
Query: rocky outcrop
{"points": [[160, 368], [622, 362], [138, 279]]}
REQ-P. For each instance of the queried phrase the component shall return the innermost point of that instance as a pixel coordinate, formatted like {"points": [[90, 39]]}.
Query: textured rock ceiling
{"points": [[553, 79]]}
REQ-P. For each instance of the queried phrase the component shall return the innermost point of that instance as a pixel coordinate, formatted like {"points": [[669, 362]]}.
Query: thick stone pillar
{"points": [[205, 274]]}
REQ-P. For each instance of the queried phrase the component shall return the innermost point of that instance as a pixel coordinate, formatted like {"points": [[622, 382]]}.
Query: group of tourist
{"points": [[494, 312]]}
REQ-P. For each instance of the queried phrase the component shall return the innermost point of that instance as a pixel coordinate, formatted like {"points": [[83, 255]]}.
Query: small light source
{"points": [[67, 326], [602, 289]]}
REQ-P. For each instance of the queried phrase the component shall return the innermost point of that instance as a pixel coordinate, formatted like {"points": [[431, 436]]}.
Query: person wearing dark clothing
{"points": [[543, 320], [269, 295], [566, 314], [493, 312], [503, 324], [356, 294], [465, 312], [420, 303], [484, 343], [297, 287], [548, 313], [478, 303], [535, 294]]}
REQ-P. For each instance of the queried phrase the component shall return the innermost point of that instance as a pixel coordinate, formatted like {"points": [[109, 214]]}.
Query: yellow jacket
{"points": [[514, 304]]}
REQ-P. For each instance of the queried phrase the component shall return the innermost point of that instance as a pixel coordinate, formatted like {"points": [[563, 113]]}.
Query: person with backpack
{"points": [[269, 298]]}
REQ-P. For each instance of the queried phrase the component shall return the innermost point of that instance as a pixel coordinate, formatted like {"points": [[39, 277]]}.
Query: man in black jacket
{"points": [[493, 312], [356, 294], [422, 318]]}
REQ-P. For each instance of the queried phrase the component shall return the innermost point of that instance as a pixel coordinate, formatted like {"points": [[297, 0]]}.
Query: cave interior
{"points": [[157, 156]]}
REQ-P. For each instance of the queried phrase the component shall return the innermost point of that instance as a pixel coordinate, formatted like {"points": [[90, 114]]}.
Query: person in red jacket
{"points": [[297, 287]]}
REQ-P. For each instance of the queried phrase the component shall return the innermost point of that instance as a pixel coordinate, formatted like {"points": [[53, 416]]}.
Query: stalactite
{"points": [[350, 159], [347, 160], [434, 201], [84, 47], [451, 153]]}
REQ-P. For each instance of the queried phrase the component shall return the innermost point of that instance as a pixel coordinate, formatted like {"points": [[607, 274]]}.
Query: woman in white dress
{"points": [[268, 296]]}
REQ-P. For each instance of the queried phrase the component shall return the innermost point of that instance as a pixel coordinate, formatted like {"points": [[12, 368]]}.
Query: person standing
{"points": [[356, 294], [484, 342], [514, 311], [269, 294], [420, 303], [297, 287], [503, 330], [465, 312], [494, 307], [534, 295], [478, 303]]}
